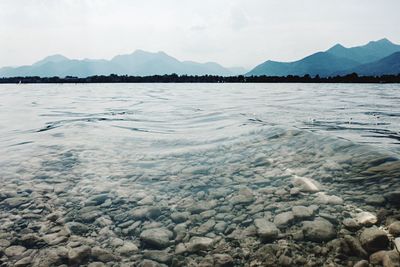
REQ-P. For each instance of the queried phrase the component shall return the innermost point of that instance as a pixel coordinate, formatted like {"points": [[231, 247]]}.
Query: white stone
{"points": [[366, 218], [306, 184]]}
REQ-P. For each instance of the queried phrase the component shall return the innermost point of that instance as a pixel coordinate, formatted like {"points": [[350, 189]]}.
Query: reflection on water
{"points": [[197, 174]]}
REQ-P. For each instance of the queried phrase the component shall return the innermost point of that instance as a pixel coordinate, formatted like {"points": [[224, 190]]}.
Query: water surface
{"points": [[123, 158]]}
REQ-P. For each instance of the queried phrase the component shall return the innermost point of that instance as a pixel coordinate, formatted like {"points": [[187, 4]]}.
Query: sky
{"points": [[230, 32]]}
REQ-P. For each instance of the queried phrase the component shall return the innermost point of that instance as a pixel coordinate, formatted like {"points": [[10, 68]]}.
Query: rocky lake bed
{"points": [[199, 175], [281, 198]]}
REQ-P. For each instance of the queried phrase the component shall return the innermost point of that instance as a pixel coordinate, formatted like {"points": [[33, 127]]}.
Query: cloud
{"points": [[198, 28], [231, 32]]}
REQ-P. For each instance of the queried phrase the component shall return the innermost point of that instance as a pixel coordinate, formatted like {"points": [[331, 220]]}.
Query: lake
{"points": [[196, 174]]}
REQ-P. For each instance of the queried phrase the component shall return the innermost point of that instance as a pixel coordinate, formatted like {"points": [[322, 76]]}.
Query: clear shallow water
{"points": [[182, 115], [229, 150]]}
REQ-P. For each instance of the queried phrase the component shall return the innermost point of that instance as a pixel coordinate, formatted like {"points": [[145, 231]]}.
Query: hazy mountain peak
{"points": [[383, 41], [336, 47], [53, 58], [380, 43], [336, 59], [138, 63]]}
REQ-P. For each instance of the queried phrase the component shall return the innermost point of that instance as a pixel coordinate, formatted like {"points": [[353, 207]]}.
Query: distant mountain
{"points": [[370, 52], [139, 63], [320, 63], [337, 59], [386, 66], [53, 58]]}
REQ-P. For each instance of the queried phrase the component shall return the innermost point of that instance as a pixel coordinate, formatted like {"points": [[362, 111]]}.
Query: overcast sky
{"points": [[230, 32]]}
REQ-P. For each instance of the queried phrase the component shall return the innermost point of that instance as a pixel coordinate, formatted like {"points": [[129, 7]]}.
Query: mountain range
{"points": [[139, 63], [375, 58]]}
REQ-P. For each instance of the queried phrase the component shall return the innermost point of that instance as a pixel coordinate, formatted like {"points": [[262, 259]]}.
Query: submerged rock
{"points": [[355, 246], [391, 259], [103, 255], [318, 230], [149, 263], [393, 197], [13, 251], [77, 228], [302, 212], [362, 263], [15, 202], [127, 249], [351, 224], [306, 184], [158, 237], [394, 228], [244, 196], [266, 230], [376, 200], [179, 217], [146, 212], [283, 219], [323, 198], [96, 264], [158, 256], [50, 257], [223, 260], [366, 218], [373, 239], [199, 243], [79, 255]]}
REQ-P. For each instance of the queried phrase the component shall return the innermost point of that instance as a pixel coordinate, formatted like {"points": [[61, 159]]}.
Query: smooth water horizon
{"points": [[185, 174]]}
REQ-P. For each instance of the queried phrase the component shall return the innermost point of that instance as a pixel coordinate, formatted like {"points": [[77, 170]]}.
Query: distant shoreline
{"points": [[173, 78]]}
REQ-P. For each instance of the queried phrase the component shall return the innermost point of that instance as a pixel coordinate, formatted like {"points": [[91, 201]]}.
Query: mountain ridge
{"points": [[137, 63], [336, 59]]}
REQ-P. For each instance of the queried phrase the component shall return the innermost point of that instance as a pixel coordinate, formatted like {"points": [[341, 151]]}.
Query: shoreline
{"points": [[174, 78]]}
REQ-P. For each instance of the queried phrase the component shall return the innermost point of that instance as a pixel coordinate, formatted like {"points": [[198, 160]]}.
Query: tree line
{"points": [[174, 78]]}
